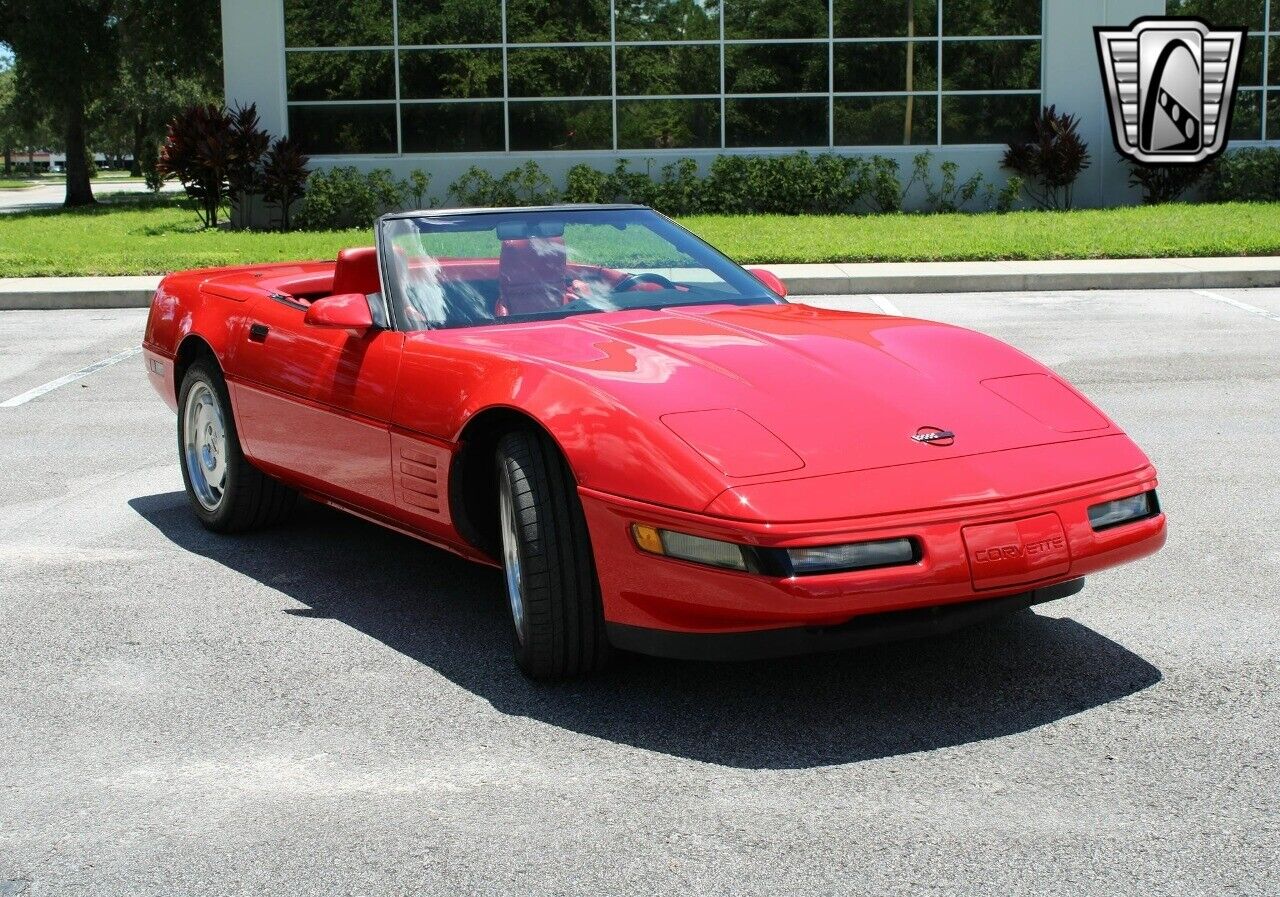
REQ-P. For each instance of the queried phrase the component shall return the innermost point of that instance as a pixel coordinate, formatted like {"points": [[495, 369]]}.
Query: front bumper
{"points": [[869, 629], [642, 591]]}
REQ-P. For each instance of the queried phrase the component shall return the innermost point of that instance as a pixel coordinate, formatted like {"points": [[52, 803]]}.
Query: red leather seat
{"points": [[357, 272], [532, 275]]}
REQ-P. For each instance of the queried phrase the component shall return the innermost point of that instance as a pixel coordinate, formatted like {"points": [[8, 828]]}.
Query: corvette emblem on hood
{"points": [[934, 436]]}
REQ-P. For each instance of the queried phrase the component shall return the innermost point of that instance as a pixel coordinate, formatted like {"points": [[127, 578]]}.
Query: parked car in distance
{"points": [[661, 452]]}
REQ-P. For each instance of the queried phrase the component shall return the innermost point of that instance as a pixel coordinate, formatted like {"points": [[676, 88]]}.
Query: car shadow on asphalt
{"points": [[1009, 676]]}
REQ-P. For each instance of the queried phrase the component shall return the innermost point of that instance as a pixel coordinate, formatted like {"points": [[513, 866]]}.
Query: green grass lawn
{"points": [[158, 236]]}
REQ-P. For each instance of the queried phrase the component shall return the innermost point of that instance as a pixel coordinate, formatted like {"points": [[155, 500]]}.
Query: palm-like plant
{"points": [[284, 176], [1051, 159], [198, 151]]}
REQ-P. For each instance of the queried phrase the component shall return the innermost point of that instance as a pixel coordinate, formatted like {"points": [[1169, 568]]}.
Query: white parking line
{"points": [[1243, 306], [886, 306], [69, 378]]}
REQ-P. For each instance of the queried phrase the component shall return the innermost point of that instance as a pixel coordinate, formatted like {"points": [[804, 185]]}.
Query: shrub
{"points": [[338, 198], [198, 152], [798, 183], [585, 184], [1051, 159], [1246, 175], [950, 195], [1164, 183], [883, 188], [1004, 199], [248, 145], [148, 161], [680, 191], [389, 195], [416, 186], [527, 185], [284, 176]]}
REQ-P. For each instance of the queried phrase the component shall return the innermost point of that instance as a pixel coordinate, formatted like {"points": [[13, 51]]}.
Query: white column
{"points": [[253, 59], [1073, 83]]}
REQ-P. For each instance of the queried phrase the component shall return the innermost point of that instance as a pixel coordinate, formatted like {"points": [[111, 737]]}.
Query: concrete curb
{"points": [[801, 280], [76, 292]]}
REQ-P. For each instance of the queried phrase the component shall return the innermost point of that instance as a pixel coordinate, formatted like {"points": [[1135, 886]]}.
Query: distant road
{"points": [[50, 196]]}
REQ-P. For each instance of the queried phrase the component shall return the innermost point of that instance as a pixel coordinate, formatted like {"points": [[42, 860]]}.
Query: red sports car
{"points": [[662, 453]]}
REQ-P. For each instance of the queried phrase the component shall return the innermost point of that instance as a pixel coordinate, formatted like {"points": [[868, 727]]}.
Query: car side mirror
{"points": [[769, 279], [345, 311]]}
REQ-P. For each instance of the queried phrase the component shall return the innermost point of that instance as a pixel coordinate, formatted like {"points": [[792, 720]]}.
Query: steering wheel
{"points": [[632, 281]]}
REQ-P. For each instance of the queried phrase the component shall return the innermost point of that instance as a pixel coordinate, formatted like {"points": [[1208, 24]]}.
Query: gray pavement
{"points": [[49, 196], [329, 708]]}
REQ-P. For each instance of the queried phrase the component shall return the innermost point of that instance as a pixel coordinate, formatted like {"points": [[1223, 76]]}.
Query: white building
{"points": [[445, 84]]}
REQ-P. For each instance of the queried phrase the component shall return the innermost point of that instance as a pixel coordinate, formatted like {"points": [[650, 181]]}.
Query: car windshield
{"points": [[476, 268]]}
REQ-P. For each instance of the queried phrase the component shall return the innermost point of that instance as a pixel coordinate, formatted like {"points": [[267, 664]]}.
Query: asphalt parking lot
{"points": [[330, 708]]}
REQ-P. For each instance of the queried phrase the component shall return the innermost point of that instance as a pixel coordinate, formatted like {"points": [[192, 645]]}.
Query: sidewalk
{"points": [[801, 280]]}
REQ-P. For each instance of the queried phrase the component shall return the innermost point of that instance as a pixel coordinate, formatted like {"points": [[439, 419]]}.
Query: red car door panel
{"points": [[314, 404]]}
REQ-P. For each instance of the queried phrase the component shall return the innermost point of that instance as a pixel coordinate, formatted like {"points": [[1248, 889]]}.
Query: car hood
{"points": [[783, 391]]}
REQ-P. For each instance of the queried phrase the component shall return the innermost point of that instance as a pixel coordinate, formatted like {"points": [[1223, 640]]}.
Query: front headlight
{"points": [[778, 562], [853, 556], [1124, 510]]}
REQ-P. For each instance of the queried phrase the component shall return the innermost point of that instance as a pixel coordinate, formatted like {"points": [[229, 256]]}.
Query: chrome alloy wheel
{"points": [[204, 445], [511, 556]]}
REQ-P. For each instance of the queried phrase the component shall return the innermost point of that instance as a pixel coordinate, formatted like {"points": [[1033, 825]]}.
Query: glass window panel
{"points": [[1273, 60], [344, 130], [450, 74], [886, 121], [775, 68], [668, 124], [451, 127], [1246, 118], [789, 122], [668, 19], [876, 67], [341, 75], [1221, 13], [668, 70], [991, 65], [552, 21], [562, 126], [1251, 62], [1273, 116], [999, 17], [337, 23], [450, 22], [987, 118], [886, 18], [775, 19], [568, 72]]}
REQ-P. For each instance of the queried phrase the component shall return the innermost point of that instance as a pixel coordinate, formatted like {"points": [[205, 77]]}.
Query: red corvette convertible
{"points": [[662, 453]]}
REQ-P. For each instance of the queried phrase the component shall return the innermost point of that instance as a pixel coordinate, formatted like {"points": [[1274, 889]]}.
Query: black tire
{"points": [[563, 635], [249, 498]]}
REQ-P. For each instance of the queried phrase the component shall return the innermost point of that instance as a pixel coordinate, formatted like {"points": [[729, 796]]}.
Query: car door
{"points": [[313, 404]]}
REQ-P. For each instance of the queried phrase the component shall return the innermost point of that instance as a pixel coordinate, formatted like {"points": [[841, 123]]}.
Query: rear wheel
{"points": [[556, 615], [227, 493]]}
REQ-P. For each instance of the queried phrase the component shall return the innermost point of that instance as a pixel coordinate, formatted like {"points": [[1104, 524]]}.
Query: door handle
{"points": [[258, 333]]}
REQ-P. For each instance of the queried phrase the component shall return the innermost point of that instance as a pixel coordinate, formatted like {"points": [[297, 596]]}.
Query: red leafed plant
{"points": [[1050, 159], [284, 176], [248, 144], [199, 151]]}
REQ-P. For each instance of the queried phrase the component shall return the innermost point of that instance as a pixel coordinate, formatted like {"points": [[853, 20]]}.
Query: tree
{"points": [[65, 62], [8, 125], [170, 60]]}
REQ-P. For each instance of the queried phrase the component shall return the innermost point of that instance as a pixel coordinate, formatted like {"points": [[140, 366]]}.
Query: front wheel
{"points": [[228, 494], [556, 615]]}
